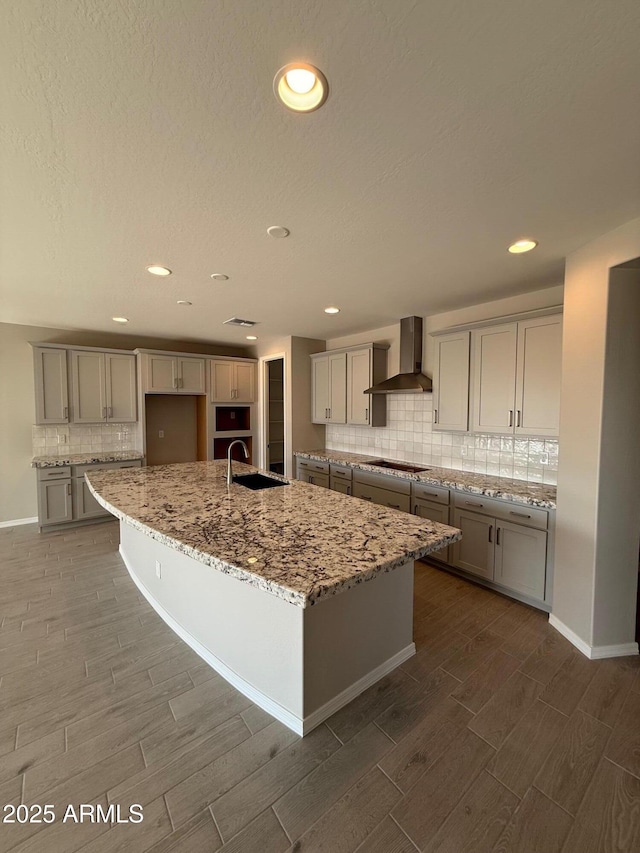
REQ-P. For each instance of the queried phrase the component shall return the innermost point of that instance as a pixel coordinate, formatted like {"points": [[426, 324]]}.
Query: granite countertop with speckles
{"points": [[310, 542], [504, 488], [85, 458]]}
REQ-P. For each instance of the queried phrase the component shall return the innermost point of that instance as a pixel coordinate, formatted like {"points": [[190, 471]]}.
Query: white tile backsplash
{"points": [[82, 438], [409, 436]]}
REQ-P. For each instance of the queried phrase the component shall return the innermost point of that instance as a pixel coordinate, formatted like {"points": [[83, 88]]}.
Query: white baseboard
{"points": [[17, 521], [348, 695], [593, 652]]}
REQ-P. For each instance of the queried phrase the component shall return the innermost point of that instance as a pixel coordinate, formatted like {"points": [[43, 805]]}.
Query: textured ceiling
{"points": [[147, 131]]}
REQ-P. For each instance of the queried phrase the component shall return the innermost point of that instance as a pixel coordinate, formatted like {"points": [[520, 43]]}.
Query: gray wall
{"points": [[17, 410]]}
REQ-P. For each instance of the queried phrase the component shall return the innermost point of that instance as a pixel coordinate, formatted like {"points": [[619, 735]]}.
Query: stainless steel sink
{"points": [[255, 482], [397, 466]]}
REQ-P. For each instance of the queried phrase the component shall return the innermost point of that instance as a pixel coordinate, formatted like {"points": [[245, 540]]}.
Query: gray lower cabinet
{"points": [[434, 512], [342, 486], [55, 501], [475, 552], [64, 496], [384, 497], [315, 473]]}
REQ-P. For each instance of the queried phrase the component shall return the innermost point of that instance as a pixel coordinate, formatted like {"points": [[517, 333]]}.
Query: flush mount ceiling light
{"points": [[252, 337], [154, 269], [183, 302], [278, 231], [219, 276], [331, 310], [521, 246], [120, 319], [301, 87]]}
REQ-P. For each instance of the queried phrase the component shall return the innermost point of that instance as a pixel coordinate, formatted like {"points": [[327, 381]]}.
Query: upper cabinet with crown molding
{"points": [[339, 379], [232, 381]]}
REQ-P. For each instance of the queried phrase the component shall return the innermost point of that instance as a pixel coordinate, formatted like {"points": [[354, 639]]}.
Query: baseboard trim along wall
{"points": [[18, 521], [592, 652]]}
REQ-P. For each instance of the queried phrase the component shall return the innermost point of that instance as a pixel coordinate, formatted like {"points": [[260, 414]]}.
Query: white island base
{"points": [[300, 664]]}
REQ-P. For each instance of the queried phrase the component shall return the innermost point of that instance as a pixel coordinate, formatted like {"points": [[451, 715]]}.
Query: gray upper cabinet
{"points": [[173, 374], [329, 388], [52, 394], [451, 382], [516, 377], [104, 387], [339, 379], [494, 352]]}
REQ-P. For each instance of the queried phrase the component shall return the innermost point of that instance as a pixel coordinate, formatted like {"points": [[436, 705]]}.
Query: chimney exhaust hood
{"points": [[410, 380]]}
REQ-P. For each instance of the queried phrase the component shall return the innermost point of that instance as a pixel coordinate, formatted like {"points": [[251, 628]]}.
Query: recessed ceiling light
{"points": [[183, 302], [154, 269], [120, 319], [301, 87], [219, 276], [331, 310], [278, 231], [521, 246], [252, 337]]}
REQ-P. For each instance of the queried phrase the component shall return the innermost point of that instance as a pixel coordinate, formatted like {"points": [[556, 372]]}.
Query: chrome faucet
{"points": [[246, 456]]}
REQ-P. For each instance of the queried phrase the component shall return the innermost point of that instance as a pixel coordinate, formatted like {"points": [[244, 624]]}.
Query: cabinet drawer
{"points": [[60, 473], [382, 481], [312, 465], [383, 497], [424, 491], [341, 472], [315, 479], [81, 470], [505, 510]]}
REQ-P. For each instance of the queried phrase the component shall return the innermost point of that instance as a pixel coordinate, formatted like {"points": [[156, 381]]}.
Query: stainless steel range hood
{"points": [[411, 379]]}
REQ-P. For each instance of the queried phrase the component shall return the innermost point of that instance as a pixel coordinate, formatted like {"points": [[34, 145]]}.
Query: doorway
{"points": [[274, 415]]}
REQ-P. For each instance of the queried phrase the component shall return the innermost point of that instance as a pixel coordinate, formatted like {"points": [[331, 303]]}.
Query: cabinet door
{"points": [[539, 376], [320, 390], [342, 486], [494, 381], [245, 384], [162, 373], [451, 382], [84, 503], [434, 512], [55, 504], [120, 379], [475, 552], [521, 556], [88, 383], [52, 394], [358, 380], [338, 388], [222, 381], [191, 378], [316, 479]]}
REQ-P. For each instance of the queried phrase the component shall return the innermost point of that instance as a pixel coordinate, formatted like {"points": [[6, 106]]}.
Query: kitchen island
{"points": [[300, 597]]}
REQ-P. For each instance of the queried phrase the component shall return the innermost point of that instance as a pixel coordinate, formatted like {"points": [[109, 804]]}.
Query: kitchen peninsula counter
{"points": [[300, 597]]}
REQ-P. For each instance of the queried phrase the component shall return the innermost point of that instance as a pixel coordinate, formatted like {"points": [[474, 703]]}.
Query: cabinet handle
{"points": [[366, 497], [473, 503], [435, 416], [497, 535], [366, 414], [490, 532], [104, 413], [68, 488], [110, 412], [394, 506], [518, 417], [436, 495], [175, 382], [510, 417], [415, 509], [311, 480], [348, 490], [66, 412], [329, 414], [519, 514]]}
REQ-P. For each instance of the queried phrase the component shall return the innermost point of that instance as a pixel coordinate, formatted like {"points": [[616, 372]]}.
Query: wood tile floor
{"points": [[496, 736]]}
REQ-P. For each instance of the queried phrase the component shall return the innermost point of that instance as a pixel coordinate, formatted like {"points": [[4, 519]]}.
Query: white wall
{"points": [[598, 516]]}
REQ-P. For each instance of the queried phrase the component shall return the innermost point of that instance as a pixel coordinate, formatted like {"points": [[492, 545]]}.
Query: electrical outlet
{"points": [[160, 433], [158, 569], [62, 438]]}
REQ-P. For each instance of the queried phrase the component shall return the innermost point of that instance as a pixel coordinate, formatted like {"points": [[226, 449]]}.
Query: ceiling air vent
{"points": [[236, 321]]}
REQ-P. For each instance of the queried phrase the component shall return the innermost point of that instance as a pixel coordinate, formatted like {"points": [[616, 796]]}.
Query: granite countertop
{"points": [[310, 543], [85, 458], [518, 491]]}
